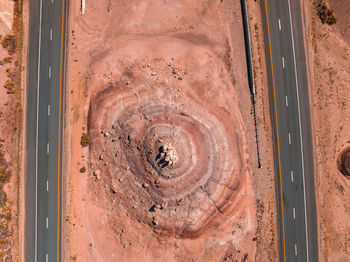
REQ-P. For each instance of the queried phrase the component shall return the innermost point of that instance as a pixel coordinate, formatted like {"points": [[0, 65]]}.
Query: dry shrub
{"points": [[82, 170], [9, 43], [6, 60], [325, 13], [10, 86], [85, 140]]}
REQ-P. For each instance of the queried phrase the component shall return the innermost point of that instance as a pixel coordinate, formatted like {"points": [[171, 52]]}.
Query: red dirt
{"points": [[161, 90], [329, 72], [11, 86]]}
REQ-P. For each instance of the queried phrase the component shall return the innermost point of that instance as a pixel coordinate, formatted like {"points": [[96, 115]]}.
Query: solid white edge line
{"points": [[292, 175], [283, 62], [48, 110], [293, 212], [49, 71], [47, 222], [47, 185], [50, 34], [295, 249], [48, 148], [47, 257], [301, 136], [286, 101], [279, 24], [37, 135]]}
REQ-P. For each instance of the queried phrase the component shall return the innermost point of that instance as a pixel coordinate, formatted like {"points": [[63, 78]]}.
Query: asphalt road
{"points": [[291, 120], [43, 130]]}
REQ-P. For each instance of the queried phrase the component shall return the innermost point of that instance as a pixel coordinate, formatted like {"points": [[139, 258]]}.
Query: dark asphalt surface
{"points": [[299, 220], [42, 226]]}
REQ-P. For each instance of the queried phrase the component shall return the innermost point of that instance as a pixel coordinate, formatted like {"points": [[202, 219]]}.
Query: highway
{"points": [[290, 113], [45, 89]]}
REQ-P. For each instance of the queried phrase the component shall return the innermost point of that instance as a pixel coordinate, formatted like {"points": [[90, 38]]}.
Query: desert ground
{"points": [[328, 48], [11, 133], [160, 160]]}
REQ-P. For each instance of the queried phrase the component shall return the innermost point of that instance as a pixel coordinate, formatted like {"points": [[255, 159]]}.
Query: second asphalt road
{"points": [[291, 118], [44, 123]]}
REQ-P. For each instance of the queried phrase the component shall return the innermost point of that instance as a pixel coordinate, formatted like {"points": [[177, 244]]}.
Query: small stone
{"points": [[148, 65], [153, 74], [100, 157], [145, 185], [180, 78], [179, 202], [156, 207], [154, 221], [163, 205], [97, 174]]}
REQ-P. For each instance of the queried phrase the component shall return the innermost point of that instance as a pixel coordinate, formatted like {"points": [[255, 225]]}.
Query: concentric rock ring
{"points": [[177, 163]]}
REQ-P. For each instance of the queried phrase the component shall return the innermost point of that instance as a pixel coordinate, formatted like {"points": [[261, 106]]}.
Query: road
{"points": [[292, 130], [45, 84]]}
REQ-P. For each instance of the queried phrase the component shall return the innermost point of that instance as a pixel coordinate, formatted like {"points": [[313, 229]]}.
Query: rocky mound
{"points": [[173, 155]]}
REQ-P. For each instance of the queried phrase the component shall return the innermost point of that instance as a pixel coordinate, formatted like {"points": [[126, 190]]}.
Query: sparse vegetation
{"points": [[13, 43], [82, 170], [325, 13], [85, 140]]}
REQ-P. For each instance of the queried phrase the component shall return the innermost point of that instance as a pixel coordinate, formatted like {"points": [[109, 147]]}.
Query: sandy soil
{"points": [[329, 71], [10, 132], [171, 170]]}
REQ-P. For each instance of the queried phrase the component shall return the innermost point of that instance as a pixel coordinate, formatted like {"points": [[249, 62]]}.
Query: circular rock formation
{"points": [[174, 155], [344, 162]]}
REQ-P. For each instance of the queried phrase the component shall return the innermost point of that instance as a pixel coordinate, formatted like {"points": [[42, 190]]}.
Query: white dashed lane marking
{"points": [[289, 139], [279, 24]]}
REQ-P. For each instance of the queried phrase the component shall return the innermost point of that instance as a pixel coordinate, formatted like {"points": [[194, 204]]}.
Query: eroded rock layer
{"points": [[175, 159]]}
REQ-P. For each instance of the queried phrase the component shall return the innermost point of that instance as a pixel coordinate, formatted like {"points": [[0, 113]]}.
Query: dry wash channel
{"points": [[173, 154]]}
